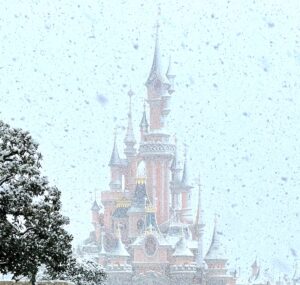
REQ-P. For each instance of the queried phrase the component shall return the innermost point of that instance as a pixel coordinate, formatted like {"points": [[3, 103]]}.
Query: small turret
{"points": [[199, 228], [120, 253], [216, 252], [95, 207], [115, 158], [186, 194], [144, 124], [96, 219], [115, 164], [182, 249], [129, 138], [184, 178], [175, 184], [170, 77], [95, 213], [103, 253], [296, 276]]}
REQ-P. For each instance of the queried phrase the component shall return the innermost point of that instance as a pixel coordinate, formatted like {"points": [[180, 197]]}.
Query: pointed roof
{"points": [[296, 276], [255, 272], [198, 220], [156, 69], [144, 123], [129, 138], [174, 165], [102, 251], [182, 248], [169, 73], [184, 179], [216, 250], [95, 207], [115, 158], [120, 249]]}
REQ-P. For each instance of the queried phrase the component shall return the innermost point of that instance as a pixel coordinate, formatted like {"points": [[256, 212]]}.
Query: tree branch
{"points": [[5, 179]]}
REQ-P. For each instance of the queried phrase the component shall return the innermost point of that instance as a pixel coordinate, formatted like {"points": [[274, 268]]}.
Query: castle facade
{"points": [[145, 231]]}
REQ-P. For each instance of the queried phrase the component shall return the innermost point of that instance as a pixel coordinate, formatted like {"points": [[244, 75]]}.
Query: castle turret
{"points": [[216, 256], [144, 124], [170, 75], [216, 260], [120, 254], [103, 253], [296, 276], [199, 229], [115, 164], [129, 140], [175, 185], [96, 219], [182, 253], [186, 195]]}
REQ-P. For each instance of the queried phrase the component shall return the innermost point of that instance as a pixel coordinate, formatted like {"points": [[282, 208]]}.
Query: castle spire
{"points": [[95, 207], [115, 158], [144, 123], [156, 69], [216, 250], [185, 178], [102, 251], [120, 250], [170, 75], [198, 220], [199, 228], [296, 276], [129, 138]]}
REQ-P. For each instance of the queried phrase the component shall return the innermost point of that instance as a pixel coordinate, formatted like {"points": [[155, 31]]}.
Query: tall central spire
{"points": [[156, 69], [157, 86]]}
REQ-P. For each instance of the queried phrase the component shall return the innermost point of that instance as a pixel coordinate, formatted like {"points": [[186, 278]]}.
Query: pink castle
{"points": [[145, 232]]}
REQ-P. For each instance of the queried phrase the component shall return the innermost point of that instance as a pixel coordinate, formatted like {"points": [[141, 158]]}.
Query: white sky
{"points": [[236, 104]]}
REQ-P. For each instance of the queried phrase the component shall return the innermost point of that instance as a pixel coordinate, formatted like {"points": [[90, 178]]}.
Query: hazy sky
{"points": [[65, 70]]}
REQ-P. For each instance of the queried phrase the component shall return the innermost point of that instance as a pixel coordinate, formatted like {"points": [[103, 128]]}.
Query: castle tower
{"points": [[157, 89], [155, 148], [175, 186], [171, 77], [115, 165], [296, 275], [129, 140], [96, 219], [186, 195], [216, 261], [144, 124], [130, 151]]}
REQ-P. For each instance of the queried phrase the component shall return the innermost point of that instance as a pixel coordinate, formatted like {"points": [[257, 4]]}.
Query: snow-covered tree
{"points": [[79, 271], [31, 226]]}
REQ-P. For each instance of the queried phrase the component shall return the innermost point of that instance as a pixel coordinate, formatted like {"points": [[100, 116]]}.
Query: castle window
{"points": [[140, 225]]}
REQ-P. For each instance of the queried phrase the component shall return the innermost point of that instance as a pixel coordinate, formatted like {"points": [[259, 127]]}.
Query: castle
{"points": [[144, 231]]}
